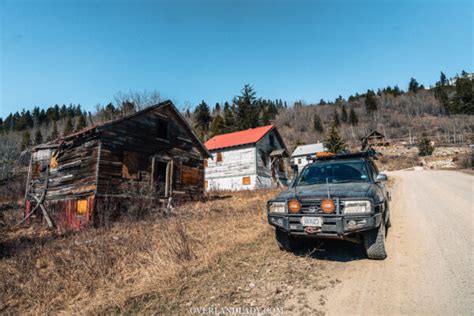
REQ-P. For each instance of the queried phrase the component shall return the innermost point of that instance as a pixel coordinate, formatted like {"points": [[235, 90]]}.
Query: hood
{"points": [[341, 190]]}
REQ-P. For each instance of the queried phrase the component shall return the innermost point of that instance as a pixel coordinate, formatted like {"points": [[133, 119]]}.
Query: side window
{"points": [[219, 157]]}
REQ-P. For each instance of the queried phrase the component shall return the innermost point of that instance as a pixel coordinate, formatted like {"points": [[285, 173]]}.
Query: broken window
{"points": [[53, 165], [162, 128], [132, 164]]}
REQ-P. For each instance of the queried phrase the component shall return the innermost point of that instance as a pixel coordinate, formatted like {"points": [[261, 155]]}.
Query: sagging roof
{"points": [[249, 136], [374, 133], [310, 149], [102, 126]]}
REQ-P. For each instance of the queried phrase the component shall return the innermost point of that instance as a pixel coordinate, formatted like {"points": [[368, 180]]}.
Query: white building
{"points": [[246, 160], [300, 154]]}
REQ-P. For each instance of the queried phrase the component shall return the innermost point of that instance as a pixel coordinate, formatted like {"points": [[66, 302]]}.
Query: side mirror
{"points": [[381, 177]]}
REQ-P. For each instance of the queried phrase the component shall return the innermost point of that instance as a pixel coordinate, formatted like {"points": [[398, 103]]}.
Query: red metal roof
{"points": [[248, 136]]}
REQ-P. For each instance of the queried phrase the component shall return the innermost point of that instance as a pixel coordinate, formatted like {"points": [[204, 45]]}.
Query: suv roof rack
{"points": [[370, 153]]}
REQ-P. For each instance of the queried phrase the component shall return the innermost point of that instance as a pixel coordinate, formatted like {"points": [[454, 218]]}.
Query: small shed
{"points": [[301, 153], [152, 153], [374, 138], [246, 160]]}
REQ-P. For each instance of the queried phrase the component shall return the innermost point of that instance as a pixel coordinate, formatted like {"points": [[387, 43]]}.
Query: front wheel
{"points": [[284, 240], [374, 242]]}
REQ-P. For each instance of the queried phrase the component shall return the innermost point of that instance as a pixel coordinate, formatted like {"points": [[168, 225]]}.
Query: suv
{"points": [[336, 196]]}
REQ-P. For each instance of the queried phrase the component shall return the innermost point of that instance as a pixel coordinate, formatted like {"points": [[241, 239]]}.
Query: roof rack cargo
{"points": [[362, 154]]}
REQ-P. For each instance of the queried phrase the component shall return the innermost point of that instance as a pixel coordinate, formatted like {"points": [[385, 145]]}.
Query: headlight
{"points": [[357, 207], [277, 207]]}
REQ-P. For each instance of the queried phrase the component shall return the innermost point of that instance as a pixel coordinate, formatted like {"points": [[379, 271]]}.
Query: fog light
{"points": [[351, 224], [362, 222], [277, 221]]}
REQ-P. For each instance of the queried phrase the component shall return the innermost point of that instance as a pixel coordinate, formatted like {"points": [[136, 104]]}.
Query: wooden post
{"points": [[152, 178], [28, 178], [170, 193], [167, 184]]}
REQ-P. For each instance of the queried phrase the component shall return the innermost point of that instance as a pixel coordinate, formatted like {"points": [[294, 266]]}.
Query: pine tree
{"points": [[424, 147], [247, 114], [370, 102], [336, 121], [217, 126], [69, 127], [81, 122], [344, 116], [322, 102], [396, 91], [317, 124], [25, 141], [217, 109], [203, 117], [229, 118], [339, 100], [463, 100], [353, 119], [413, 85], [334, 142], [442, 79], [38, 137]]}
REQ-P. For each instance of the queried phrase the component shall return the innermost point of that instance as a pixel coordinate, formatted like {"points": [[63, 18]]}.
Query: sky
{"points": [[67, 51]]}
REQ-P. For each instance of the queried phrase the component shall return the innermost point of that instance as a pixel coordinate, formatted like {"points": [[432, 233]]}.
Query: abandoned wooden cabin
{"points": [[374, 138], [80, 177], [246, 160]]}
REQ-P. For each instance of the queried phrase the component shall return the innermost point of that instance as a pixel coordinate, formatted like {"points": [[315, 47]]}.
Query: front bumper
{"points": [[333, 226]]}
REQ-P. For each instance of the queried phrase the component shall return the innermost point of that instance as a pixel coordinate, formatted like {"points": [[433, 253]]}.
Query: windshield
{"points": [[334, 172]]}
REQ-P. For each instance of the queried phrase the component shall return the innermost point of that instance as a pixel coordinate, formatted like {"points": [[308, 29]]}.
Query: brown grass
{"points": [[102, 269]]}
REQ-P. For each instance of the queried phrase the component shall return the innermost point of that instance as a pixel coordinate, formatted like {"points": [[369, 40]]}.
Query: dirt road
{"points": [[430, 266]]}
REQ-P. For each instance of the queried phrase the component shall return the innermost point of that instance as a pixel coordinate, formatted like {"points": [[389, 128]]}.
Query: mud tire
{"points": [[374, 242]]}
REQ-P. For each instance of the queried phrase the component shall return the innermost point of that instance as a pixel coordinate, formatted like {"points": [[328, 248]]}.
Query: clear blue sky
{"points": [[87, 51]]}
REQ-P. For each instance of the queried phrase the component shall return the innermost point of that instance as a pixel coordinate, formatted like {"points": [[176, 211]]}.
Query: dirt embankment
{"points": [[217, 253], [222, 254], [400, 157]]}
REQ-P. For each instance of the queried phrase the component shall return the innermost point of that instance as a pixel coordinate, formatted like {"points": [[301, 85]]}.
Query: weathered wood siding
{"points": [[114, 160], [264, 147], [72, 173], [128, 149]]}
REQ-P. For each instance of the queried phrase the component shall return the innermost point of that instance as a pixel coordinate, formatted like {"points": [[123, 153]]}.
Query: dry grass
{"points": [[103, 269]]}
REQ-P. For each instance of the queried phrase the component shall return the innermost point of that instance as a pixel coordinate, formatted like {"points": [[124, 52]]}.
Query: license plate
{"points": [[312, 221]]}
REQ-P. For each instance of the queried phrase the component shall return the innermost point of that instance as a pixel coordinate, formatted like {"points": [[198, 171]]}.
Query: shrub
{"points": [[425, 147]]}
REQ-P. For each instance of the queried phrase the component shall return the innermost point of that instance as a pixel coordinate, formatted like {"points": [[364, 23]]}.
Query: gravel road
{"points": [[430, 264]]}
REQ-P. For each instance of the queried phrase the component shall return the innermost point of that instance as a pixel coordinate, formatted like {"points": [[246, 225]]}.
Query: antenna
{"points": [[327, 186]]}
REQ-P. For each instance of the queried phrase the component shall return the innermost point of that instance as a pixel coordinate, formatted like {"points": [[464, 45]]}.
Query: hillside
{"points": [[443, 113]]}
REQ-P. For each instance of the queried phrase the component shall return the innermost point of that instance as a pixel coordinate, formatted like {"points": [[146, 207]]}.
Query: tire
{"points": [[284, 240], [374, 242]]}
